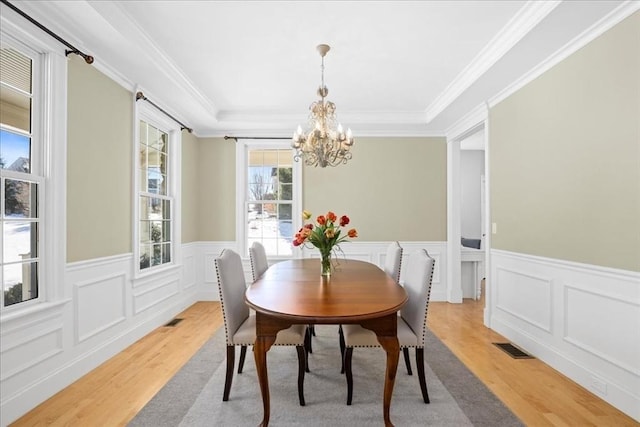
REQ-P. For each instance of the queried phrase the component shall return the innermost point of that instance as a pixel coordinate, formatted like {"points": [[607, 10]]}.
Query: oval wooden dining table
{"points": [[357, 292]]}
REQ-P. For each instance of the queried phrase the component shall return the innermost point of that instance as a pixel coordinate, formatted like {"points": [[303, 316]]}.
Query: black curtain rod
{"points": [[255, 137], [72, 49], [140, 95]]}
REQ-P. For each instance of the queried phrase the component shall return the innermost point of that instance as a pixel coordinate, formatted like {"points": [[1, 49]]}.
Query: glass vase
{"points": [[325, 265]]}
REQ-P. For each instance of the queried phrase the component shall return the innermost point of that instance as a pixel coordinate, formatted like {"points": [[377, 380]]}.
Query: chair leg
{"points": [[313, 330], [423, 382], [405, 353], [307, 347], [231, 355], [347, 363], [243, 353], [341, 334], [301, 368], [308, 334], [307, 343]]}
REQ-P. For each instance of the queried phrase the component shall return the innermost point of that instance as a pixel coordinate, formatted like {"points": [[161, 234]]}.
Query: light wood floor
{"points": [[113, 393]]}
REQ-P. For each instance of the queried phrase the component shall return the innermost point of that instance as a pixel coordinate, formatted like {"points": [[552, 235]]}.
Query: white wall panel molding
{"points": [[91, 318], [31, 350], [208, 252], [78, 266], [605, 272], [50, 345], [189, 271], [155, 291], [594, 334], [591, 334], [524, 296]]}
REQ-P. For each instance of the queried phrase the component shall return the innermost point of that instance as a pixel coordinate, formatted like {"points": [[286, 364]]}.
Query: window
{"points": [[155, 201], [269, 197], [21, 181]]}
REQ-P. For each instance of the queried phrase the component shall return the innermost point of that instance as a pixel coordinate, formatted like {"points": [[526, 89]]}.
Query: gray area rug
{"points": [[193, 397]]}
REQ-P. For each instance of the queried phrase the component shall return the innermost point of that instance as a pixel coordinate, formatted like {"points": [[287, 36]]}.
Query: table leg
{"points": [[386, 332], [391, 346], [266, 330], [260, 349]]}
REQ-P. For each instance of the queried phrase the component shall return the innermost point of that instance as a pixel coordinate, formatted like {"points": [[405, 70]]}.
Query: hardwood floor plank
{"points": [[114, 392]]}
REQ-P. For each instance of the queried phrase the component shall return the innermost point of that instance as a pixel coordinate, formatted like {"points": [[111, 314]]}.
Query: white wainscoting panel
{"points": [[189, 275], [589, 332], [46, 347], [31, 350], [209, 251], [524, 296], [155, 289], [582, 320], [91, 319]]}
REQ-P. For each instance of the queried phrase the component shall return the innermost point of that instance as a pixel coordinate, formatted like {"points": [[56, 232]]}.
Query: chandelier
{"points": [[324, 143]]}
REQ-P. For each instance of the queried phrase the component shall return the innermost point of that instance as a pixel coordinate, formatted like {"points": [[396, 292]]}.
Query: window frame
{"points": [[242, 161], [144, 112], [48, 158]]}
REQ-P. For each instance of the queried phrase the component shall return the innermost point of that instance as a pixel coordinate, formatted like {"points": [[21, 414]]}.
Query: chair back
{"points": [[393, 261], [259, 263], [231, 289], [417, 283]]}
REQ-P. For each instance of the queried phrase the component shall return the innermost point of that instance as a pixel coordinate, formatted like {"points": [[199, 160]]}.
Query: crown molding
{"points": [[519, 26], [367, 130], [468, 123], [606, 23], [114, 12], [283, 123], [347, 118]]}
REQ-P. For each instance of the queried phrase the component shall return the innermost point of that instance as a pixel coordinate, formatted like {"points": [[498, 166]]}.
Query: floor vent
{"points": [[174, 322], [512, 350]]}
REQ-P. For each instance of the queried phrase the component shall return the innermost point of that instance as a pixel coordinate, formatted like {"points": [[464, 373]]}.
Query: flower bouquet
{"points": [[325, 235]]}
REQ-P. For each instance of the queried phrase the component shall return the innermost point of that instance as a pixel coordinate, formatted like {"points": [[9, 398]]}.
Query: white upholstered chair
{"points": [[412, 321], [393, 261], [259, 263], [240, 325], [392, 266]]}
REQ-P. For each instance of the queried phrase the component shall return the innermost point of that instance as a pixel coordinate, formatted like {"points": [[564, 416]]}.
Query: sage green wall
{"points": [[217, 189], [565, 157], [100, 122], [190, 197], [392, 189]]}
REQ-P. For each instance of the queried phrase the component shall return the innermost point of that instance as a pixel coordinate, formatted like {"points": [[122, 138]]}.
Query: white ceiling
{"points": [[251, 68]]}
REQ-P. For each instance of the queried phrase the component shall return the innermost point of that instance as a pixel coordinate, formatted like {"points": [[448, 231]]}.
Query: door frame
{"points": [[473, 122]]}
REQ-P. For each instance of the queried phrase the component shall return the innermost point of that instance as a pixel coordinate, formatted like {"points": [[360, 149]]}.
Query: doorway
{"points": [[474, 124]]}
